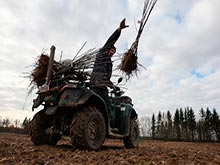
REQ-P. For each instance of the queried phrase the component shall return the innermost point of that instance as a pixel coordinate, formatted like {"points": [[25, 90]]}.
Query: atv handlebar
{"points": [[117, 91]]}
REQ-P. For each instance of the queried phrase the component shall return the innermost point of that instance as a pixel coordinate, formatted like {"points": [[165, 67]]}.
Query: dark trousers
{"points": [[103, 93]]}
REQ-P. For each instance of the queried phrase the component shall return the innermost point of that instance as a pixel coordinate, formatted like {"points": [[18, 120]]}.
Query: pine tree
{"points": [[186, 123], [177, 124], [169, 124], [201, 125], [163, 128], [192, 123], [182, 124], [215, 123], [207, 124], [26, 123], [202, 113], [159, 120], [153, 128], [199, 129]]}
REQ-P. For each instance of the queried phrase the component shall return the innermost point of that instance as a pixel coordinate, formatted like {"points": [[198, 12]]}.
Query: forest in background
{"points": [[14, 126], [183, 125]]}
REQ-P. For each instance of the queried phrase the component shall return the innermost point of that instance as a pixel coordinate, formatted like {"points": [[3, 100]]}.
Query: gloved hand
{"points": [[116, 88], [122, 24]]}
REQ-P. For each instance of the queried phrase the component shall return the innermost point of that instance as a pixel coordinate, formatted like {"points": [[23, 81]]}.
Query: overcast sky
{"points": [[179, 48]]}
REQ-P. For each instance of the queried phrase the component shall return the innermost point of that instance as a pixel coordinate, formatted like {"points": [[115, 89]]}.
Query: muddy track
{"points": [[18, 149]]}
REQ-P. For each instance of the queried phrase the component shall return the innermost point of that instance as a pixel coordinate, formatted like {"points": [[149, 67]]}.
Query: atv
{"points": [[72, 109]]}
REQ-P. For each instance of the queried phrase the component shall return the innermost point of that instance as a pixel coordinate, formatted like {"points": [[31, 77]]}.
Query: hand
{"points": [[122, 24], [116, 88]]}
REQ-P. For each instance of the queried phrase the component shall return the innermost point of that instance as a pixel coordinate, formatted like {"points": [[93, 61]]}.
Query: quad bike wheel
{"points": [[88, 129], [39, 124], [132, 140]]}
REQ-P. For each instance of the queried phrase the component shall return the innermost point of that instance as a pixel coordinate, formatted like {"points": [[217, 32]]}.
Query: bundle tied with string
{"points": [[129, 64]]}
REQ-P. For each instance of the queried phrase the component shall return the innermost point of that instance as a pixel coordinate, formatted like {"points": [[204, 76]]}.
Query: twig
{"points": [[129, 64]]}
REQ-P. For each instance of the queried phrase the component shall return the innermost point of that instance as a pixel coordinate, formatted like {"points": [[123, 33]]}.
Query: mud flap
{"points": [[121, 119]]}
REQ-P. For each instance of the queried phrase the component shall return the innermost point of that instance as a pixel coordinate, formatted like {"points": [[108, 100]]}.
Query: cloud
{"points": [[175, 49]]}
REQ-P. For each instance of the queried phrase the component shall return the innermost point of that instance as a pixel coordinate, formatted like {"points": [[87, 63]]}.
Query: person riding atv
{"points": [[102, 71], [72, 107]]}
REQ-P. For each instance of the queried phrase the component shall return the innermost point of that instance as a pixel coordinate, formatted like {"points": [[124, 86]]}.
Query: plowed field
{"points": [[18, 149]]}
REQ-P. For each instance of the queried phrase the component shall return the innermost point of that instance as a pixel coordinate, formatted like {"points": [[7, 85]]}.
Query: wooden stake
{"points": [[50, 65]]}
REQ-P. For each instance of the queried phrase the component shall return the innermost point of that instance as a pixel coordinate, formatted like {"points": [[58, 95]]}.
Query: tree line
{"points": [[183, 125], [16, 126]]}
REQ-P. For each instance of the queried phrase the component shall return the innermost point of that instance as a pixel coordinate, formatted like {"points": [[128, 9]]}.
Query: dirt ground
{"points": [[18, 149]]}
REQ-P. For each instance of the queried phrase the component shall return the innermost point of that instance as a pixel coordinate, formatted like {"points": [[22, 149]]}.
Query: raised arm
{"points": [[114, 37]]}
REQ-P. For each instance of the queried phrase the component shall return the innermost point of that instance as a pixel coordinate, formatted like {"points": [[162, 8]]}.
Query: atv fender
{"points": [[122, 115], [76, 96], [73, 97]]}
